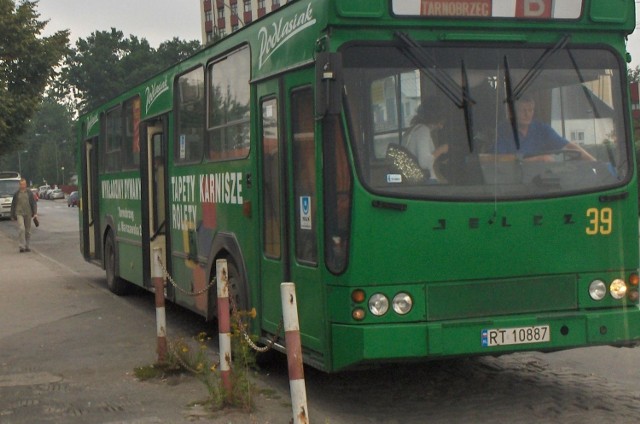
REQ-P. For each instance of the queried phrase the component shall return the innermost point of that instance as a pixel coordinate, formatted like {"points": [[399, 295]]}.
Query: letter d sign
{"points": [[534, 9]]}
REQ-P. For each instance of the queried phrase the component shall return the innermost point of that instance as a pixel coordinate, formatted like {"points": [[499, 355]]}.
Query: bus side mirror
{"points": [[329, 83]]}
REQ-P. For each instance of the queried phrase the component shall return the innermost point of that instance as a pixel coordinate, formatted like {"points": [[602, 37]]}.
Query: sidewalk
{"points": [[68, 348]]}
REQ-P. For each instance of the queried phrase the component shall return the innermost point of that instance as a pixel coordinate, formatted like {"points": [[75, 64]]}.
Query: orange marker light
{"points": [[358, 296], [358, 314], [634, 279]]}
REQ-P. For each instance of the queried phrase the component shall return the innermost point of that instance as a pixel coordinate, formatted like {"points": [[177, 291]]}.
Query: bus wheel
{"points": [[237, 289], [115, 284]]}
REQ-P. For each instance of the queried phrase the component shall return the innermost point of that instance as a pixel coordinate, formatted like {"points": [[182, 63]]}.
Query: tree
{"points": [[633, 75], [106, 64], [97, 69], [27, 64], [175, 50], [46, 145]]}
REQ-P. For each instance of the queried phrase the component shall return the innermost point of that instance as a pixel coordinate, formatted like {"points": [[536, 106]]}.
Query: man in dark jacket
{"points": [[23, 209]]}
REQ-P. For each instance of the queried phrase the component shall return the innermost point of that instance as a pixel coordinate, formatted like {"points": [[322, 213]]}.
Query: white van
{"points": [[9, 184]]}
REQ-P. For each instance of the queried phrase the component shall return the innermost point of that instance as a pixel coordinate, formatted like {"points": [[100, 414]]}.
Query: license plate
{"points": [[515, 336]]}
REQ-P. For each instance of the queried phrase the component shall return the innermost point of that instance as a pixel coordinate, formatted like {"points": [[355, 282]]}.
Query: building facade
{"points": [[222, 17]]}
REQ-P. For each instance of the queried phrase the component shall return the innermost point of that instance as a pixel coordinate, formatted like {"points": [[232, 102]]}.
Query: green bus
{"points": [[438, 177]]}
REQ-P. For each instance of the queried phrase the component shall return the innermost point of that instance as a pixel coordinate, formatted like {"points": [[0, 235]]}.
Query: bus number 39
{"points": [[600, 221]]}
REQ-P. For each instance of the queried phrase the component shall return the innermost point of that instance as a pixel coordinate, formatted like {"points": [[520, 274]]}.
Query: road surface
{"points": [[595, 385]]}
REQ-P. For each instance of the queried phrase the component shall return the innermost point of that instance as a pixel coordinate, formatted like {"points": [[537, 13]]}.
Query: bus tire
{"points": [[237, 289], [115, 284]]}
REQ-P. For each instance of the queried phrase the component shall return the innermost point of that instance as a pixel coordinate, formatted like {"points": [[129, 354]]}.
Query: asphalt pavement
{"points": [[68, 348]]}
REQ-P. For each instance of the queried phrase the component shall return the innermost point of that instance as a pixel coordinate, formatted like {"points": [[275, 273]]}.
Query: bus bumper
{"points": [[360, 344]]}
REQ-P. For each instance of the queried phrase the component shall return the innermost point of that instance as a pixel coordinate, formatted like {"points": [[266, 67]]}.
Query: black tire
{"points": [[238, 295], [237, 288], [115, 284]]}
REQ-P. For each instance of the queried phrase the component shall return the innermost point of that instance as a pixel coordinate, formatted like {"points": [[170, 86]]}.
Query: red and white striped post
{"points": [[224, 324], [161, 320], [294, 353]]}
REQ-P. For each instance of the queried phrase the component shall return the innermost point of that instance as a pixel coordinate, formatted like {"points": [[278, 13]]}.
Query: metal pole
{"points": [[161, 319], [294, 353], [57, 173], [224, 324]]}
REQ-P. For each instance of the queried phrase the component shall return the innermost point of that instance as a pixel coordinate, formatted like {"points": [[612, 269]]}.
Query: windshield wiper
{"points": [[467, 104], [511, 101], [429, 67], [514, 94], [536, 69], [585, 90], [459, 95]]}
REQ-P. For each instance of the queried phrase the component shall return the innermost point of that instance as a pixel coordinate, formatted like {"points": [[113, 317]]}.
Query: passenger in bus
{"points": [[537, 139], [419, 139]]}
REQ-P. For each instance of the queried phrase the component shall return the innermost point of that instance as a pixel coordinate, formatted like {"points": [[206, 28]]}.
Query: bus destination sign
{"points": [[471, 8], [515, 9]]}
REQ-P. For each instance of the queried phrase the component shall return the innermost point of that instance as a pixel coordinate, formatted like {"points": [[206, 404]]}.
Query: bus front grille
{"points": [[474, 299]]}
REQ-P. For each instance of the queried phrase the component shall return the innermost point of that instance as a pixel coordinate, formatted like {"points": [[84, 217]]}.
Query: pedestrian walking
{"points": [[23, 209]]}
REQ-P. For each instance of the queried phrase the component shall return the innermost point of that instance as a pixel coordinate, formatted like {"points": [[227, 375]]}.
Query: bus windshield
{"points": [[485, 122]]}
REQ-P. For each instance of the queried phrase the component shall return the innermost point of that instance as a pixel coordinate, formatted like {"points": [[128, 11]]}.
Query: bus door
{"points": [[90, 212], [289, 206], [153, 173]]}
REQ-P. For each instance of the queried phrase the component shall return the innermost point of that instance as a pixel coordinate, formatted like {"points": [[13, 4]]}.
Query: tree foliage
{"points": [[46, 146], [106, 64], [27, 63], [633, 74], [36, 132]]}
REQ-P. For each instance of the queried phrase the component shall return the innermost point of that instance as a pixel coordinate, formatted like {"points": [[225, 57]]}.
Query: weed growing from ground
{"points": [[196, 357]]}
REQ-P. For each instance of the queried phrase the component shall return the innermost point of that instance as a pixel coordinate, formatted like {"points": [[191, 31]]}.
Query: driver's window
{"points": [[584, 115]]}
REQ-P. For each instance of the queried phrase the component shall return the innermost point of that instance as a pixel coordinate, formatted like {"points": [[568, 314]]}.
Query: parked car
{"points": [[73, 198], [56, 194], [42, 190], [47, 194]]}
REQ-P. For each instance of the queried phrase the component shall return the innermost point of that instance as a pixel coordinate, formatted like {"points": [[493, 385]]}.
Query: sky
{"points": [[159, 20], [633, 45], [155, 20]]}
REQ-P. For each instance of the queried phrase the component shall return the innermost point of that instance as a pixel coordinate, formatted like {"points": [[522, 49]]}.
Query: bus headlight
{"points": [[378, 304], [597, 290], [402, 303], [618, 289]]}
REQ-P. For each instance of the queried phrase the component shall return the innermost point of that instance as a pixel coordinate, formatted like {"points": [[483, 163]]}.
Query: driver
{"points": [[536, 138]]}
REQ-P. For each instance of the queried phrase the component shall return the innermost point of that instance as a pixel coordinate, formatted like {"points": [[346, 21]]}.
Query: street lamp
{"points": [[57, 174], [62, 169], [20, 161]]}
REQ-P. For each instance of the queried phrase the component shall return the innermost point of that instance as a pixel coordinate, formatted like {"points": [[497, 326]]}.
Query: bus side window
{"points": [[113, 140], [190, 117], [229, 107], [131, 146]]}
